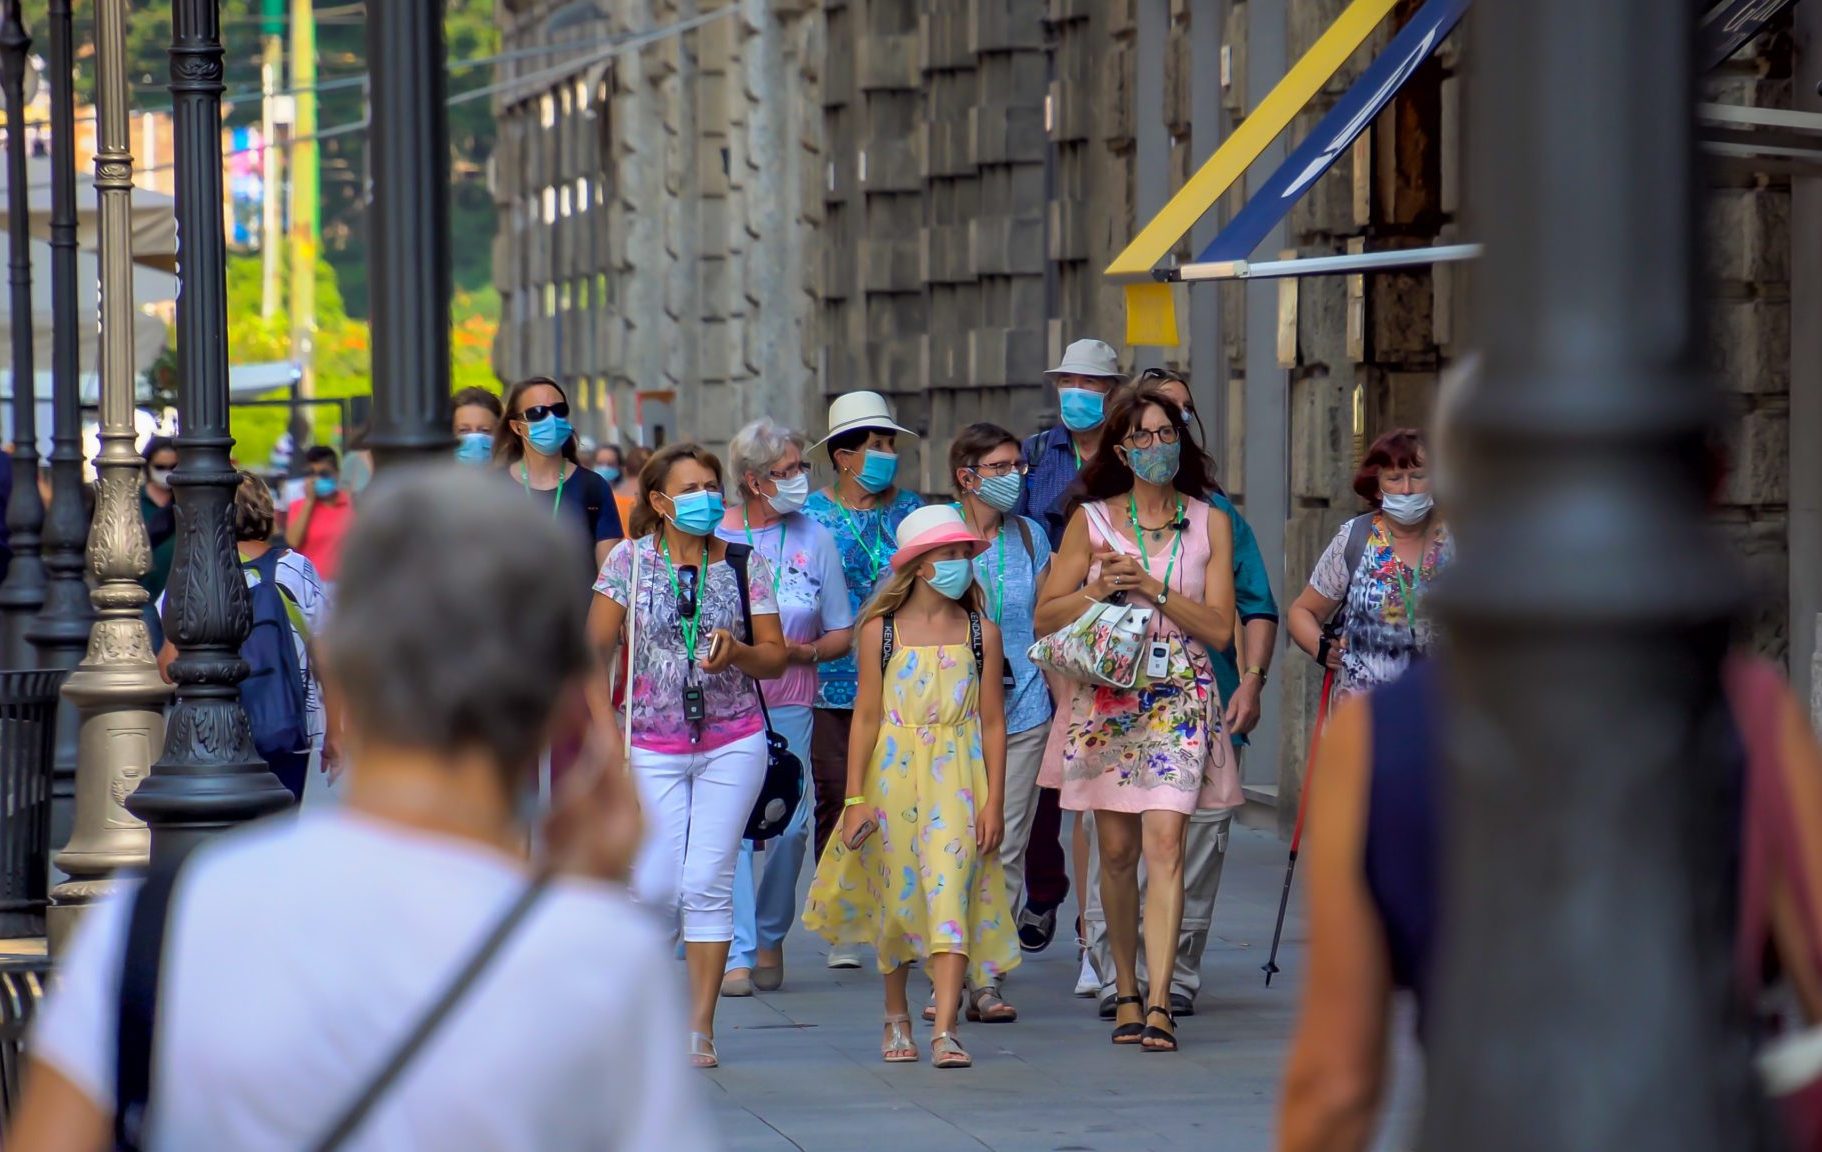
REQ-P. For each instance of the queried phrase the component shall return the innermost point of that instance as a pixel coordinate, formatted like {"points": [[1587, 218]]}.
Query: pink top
{"points": [[322, 544], [1187, 576]]}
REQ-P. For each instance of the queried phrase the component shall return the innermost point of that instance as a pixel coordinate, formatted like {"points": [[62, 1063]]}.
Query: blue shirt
{"points": [[1054, 464], [1252, 596], [865, 540], [1007, 570]]}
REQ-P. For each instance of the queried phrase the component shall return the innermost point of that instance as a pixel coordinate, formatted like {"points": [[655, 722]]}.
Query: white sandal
{"points": [[898, 1047], [702, 1051], [947, 1052]]}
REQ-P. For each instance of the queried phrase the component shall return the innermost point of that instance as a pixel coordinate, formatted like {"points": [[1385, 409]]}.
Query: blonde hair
{"points": [[894, 592]]}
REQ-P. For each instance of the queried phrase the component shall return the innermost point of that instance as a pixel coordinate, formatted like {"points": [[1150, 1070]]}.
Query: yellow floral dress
{"points": [[919, 885]]}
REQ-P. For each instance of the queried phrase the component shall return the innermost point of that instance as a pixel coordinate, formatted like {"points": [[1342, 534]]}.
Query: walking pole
{"points": [[1303, 803]]}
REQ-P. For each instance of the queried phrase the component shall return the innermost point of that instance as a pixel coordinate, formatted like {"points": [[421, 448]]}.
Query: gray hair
{"points": [[458, 624], [757, 447]]}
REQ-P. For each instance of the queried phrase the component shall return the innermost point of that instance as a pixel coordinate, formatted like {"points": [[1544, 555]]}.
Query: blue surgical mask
{"points": [[609, 473], [474, 447], [1000, 493], [1155, 465], [325, 487], [877, 474], [697, 512], [1407, 507], [548, 435], [952, 577], [1082, 409]]}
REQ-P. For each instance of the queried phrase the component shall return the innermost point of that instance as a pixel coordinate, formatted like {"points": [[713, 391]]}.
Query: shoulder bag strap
{"points": [[1360, 529], [1025, 537], [737, 555], [1097, 516], [356, 1113], [632, 621], [142, 962], [887, 639]]}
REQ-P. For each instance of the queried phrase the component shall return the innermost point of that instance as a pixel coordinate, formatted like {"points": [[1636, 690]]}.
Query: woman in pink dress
{"points": [[1142, 760]]}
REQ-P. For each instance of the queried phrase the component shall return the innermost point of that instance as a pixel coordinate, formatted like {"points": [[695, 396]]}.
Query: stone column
{"points": [[61, 631], [116, 688], [22, 593], [209, 777]]}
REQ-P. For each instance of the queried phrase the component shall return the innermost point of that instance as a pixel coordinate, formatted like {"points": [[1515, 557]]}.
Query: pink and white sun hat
{"points": [[933, 526]]}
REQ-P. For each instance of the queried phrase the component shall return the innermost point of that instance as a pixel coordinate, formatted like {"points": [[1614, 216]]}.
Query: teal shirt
{"points": [[1252, 597]]}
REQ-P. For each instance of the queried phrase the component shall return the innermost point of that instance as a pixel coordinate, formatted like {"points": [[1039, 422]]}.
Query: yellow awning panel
{"points": [[1258, 130]]}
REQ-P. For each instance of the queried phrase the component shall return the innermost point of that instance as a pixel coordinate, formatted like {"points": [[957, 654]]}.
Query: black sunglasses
{"points": [[538, 412]]}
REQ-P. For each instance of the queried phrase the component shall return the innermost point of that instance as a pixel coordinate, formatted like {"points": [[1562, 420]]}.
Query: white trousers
{"points": [[696, 807]]}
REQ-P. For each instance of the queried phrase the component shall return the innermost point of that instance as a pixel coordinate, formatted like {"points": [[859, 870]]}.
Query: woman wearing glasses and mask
{"points": [[773, 480], [1144, 759], [536, 446], [988, 471], [696, 726]]}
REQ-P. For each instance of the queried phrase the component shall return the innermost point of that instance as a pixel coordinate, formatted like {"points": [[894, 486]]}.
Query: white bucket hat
{"points": [[1089, 358], [860, 410]]}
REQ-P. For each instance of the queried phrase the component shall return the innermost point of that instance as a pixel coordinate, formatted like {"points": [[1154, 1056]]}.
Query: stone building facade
{"points": [[732, 208]]}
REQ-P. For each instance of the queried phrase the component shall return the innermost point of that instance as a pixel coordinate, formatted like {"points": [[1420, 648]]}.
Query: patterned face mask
{"points": [[1156, 464]]}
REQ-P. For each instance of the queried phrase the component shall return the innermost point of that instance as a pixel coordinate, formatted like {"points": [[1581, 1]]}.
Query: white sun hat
{"points": [[1089, 358], [856, 410]]}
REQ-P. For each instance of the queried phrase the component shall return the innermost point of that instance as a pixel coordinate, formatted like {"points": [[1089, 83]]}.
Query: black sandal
{"points": [[1151, 1033], [1127, 1033]]}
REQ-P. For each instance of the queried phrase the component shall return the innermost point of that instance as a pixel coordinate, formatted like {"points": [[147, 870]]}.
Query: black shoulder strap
{"points": [[888, 637], [137, 1019], [974, 642], [737, 555], [1359, 529], [349, 1122]]}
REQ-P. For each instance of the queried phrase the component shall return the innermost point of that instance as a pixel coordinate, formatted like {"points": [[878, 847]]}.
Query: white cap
{"points": [[860, 410], [1089, 358]]}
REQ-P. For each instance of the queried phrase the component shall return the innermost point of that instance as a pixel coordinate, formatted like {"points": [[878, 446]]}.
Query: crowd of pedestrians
{"points": [[944, 674]]}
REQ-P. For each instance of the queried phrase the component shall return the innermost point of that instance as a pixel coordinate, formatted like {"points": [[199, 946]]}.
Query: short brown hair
{"points": [[656, 471], [479, 398], [971, 444], [254, 516], [1399, 448]]}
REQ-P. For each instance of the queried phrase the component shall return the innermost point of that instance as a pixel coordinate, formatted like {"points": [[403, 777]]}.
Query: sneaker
{"points": [[1108, 1009], [1182, 1005], [1036, 929], [1088, 983], [844, 956]]}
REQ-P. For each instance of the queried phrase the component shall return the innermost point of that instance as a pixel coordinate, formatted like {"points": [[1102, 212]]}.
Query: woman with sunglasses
{"points": [[1144, 759], [812, 594], [536, 446]]}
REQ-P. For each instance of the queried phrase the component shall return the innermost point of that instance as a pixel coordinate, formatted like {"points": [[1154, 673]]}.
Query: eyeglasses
{"points": [[538, 412], [1004, 468], [1145, 437], [791, 473], [1161, 376]]}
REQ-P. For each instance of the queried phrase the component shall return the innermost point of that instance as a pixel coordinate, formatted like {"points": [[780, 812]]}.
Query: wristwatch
{"points": [[1163, 596]]}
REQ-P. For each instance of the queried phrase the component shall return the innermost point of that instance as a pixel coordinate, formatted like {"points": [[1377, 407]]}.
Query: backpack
{"points": [[1360, 528], [273, 692], [889, 640]]}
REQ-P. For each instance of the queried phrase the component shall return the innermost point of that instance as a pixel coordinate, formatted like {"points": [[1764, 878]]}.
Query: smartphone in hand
{"points": [[860, 835], [717, 642]]}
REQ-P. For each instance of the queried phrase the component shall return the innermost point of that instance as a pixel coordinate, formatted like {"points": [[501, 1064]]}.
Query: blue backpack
{"points": [[273, 692]]}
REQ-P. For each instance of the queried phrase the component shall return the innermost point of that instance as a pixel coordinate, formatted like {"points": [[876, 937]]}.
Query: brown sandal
{"points": [[987, 1006]]}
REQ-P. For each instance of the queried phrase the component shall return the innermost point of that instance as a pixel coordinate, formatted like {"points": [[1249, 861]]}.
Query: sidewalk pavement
{"points": [[802, 1068]]}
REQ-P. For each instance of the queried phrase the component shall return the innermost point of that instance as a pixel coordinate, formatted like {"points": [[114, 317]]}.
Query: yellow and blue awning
{"points": [[1150, 315]]}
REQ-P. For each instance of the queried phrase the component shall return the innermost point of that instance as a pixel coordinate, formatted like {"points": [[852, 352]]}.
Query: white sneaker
{"points": [[1088, 983], [844, 956]]}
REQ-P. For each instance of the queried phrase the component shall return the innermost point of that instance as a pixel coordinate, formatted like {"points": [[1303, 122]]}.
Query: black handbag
{"points": [[783, 787]]}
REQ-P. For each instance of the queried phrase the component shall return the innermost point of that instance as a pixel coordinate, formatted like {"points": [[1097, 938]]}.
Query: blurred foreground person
{"points": [[300, 953]]}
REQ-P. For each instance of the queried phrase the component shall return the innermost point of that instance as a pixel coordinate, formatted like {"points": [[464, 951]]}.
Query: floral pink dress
{"points": [[1161, 745]]}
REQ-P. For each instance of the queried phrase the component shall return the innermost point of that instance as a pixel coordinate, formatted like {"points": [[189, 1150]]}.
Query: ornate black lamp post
{"points": [[22, 593], [1584, 981], [61, 631], [209, 777], [408, 231]]}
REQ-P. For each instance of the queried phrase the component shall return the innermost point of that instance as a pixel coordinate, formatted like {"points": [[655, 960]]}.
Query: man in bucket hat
{"points": [[862, 510], [1089, 370]]}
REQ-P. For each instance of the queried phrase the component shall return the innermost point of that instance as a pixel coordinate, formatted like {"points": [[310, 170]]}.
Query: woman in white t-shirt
{"points": [[300, 952]]}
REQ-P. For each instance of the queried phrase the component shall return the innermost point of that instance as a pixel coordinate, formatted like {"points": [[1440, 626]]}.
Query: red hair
{"points": [[1399, 448]]}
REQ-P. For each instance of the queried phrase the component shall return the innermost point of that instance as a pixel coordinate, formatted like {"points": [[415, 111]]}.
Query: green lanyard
{"points": [[996, 604], [693, 626], [1138, 537], [778, 568], [525, 479], [873, 556], [1409, 591]]}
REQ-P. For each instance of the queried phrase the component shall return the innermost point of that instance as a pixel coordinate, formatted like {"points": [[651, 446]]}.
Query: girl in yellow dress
{"points": [[914, 869]]}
